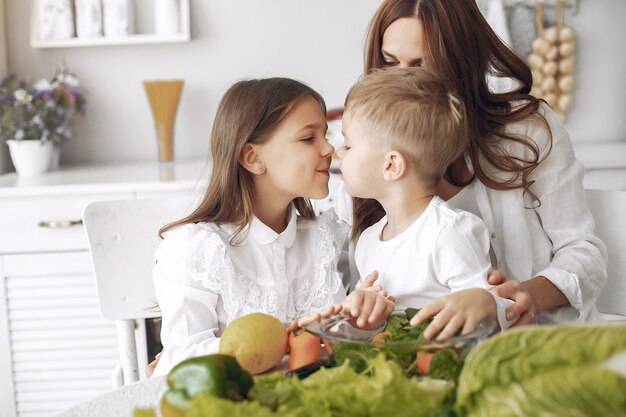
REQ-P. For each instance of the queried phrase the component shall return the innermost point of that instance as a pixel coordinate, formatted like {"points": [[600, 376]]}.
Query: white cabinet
{"points": [[60, 350], [145, 16], [55, 349]]}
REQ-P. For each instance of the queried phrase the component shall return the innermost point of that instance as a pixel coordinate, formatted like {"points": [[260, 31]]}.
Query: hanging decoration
{"points": [[552, 61]]}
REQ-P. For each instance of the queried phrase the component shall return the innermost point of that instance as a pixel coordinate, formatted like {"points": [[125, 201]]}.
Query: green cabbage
{"points": [[545, 371]]}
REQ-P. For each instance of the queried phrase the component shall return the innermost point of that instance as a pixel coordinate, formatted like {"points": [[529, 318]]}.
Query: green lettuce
{"points": [[551, 371], [205, 405], [334, 392]]}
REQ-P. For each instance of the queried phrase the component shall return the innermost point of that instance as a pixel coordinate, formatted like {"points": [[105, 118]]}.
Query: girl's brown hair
{"points": [[461, 46], [250, 112]]}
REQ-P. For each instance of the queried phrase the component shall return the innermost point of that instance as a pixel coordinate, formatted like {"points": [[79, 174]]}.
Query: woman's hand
{"points": [[459, 310], [507, 287]]}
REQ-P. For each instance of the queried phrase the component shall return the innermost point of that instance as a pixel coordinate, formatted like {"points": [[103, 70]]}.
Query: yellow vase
{"points": [[164, 97]]}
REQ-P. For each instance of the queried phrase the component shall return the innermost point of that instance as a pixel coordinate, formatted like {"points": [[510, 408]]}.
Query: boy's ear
{"points": [[250, 160], [396, 165]]}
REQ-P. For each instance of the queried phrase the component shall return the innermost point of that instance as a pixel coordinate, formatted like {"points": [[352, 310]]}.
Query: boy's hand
{"points": [[368, 284], [368, 307], [462, 309]]}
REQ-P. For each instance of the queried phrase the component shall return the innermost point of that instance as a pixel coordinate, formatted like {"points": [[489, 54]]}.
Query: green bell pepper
{"points": [[218, 375]]}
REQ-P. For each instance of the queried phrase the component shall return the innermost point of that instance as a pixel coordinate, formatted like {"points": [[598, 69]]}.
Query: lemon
{"points": [[258, 341]]}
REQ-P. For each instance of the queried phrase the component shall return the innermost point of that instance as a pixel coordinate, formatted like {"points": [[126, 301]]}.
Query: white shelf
{"points": [[137, 39], [134, 39]]}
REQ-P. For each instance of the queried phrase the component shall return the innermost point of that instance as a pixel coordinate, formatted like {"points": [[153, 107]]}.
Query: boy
{"points": [[403, 127]]}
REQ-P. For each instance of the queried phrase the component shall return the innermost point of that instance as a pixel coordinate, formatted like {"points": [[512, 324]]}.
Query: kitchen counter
{"points": [[118, 177]]}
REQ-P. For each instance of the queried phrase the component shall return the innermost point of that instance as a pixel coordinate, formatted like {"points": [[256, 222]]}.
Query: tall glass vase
{"points": [[163, 97]]}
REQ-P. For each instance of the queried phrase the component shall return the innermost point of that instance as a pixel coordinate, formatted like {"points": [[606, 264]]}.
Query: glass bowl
{"points": [[441, 359]]}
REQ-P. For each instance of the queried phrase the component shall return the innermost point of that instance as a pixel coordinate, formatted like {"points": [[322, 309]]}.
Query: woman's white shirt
{"points": [[555, 239], [202, 282]]}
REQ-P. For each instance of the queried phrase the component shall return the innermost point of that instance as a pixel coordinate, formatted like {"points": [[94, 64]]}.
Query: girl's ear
{"points": [[250, 160], [396, 165]]}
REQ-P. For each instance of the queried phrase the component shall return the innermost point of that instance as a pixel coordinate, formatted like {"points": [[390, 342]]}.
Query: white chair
{"points": [[609, 212], [123, 236]]}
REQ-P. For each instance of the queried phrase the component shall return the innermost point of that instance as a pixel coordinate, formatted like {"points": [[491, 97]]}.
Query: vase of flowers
{"points": [[34, 120]]}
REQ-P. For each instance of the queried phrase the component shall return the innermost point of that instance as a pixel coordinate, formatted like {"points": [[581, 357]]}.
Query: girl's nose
{"points": [[327, 149]]}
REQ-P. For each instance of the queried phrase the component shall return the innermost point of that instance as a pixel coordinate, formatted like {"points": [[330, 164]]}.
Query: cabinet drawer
{"points": [[46, 223]]}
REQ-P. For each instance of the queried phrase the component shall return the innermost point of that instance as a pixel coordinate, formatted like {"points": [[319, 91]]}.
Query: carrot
{"points": [[304, 349], [423, 362], [379, 338]]}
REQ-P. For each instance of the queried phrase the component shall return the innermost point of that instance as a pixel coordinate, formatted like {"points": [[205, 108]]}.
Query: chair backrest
{"points": [[609, 212], [123, 236]]}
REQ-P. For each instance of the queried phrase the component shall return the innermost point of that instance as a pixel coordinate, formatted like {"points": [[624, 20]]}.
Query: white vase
{"points": [[30, 157], [166, 17]]}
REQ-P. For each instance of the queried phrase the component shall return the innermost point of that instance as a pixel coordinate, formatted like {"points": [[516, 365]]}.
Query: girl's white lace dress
{"points": [[203, 282]]}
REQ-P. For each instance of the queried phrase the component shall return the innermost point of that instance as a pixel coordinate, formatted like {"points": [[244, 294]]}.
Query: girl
{"points": [[254, 243], [518, 172]]}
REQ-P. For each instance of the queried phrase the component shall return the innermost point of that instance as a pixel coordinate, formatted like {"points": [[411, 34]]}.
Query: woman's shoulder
{"points": [[543, 127]]}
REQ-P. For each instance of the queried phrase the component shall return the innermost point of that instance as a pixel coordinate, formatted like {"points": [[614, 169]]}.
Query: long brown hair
{"points": [[461, 46], [249, 112]]}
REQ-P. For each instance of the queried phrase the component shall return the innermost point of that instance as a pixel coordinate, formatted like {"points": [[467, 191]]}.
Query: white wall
{"points": [[319, 42], [600, 96]]}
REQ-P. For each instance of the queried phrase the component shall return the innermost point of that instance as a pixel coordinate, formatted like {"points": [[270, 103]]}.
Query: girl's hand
{"points": [[369, 308], [510, 288], [305, 321], [462, 309], [150, 367]]}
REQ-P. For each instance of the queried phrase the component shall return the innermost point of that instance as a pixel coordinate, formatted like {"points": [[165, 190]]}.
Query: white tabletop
{"points": [[122, 401], [143, 394]]}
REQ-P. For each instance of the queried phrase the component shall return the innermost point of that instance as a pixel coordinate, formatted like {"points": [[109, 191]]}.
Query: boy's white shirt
{"points": [[443, 251], [202, 282], [555, 240]]}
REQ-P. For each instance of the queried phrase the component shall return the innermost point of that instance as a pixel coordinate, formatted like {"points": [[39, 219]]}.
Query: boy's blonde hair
{"points": [[411, 110]]}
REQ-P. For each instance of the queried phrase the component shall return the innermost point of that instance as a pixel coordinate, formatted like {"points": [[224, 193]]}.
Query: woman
{"points": [[518, 174]]}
